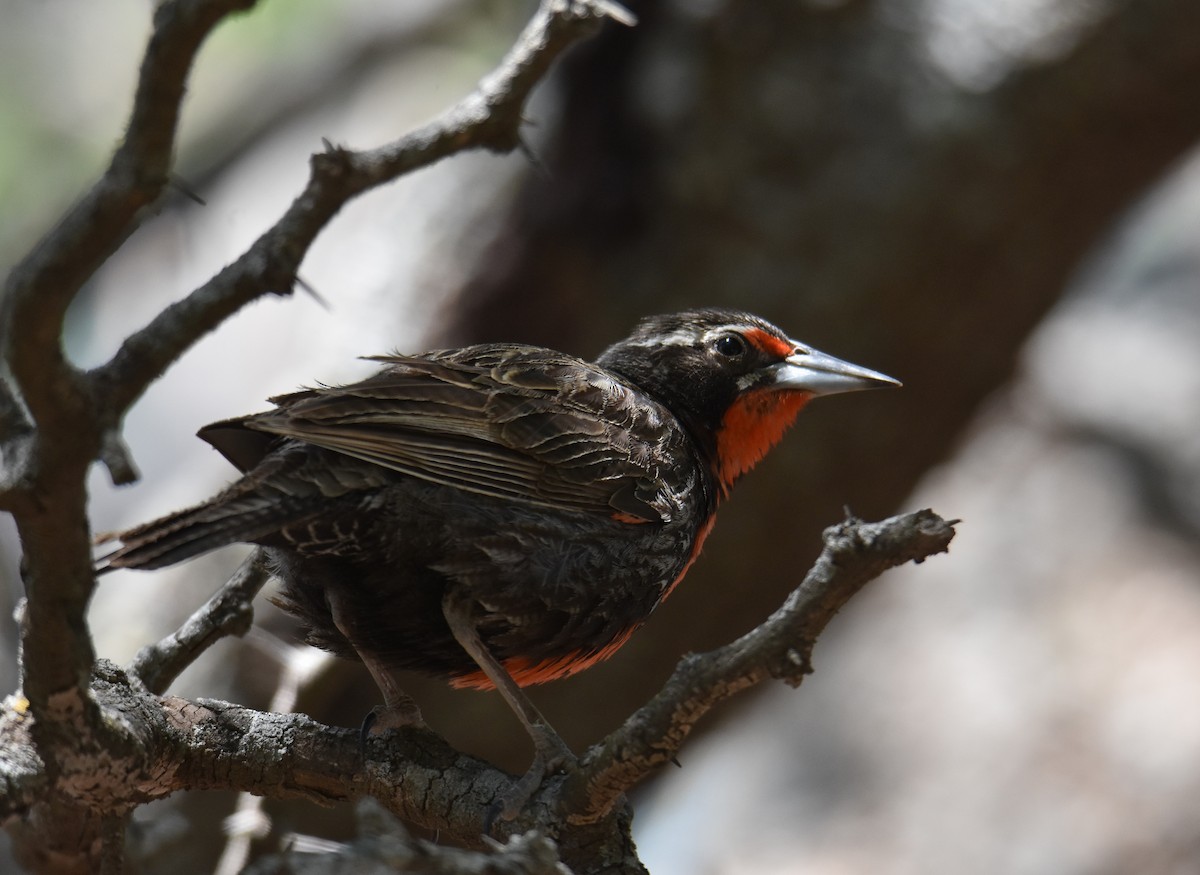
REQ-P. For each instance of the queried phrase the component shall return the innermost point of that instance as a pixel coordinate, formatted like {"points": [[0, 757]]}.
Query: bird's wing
{"points": [[514, 422]]}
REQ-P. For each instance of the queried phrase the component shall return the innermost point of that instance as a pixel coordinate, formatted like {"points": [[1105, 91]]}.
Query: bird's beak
{"points": [[809, 370]]}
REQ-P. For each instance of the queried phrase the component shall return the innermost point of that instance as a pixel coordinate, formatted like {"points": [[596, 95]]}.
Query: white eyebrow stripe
{"points": [[679, 337], [713, 333], [689, 337]]}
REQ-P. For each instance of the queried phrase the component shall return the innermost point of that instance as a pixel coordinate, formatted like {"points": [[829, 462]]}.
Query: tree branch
{"points": [[488, 118], [155, 746], [77, 416], [855, 553], [46, 492], [163, 745], [229, 612], [40, 288]]}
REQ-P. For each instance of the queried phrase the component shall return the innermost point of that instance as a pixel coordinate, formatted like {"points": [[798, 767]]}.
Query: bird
{"points": [[500, 515]]}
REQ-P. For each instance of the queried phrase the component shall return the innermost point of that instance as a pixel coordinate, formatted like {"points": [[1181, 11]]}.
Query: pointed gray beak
{"points": [[809, 370]]}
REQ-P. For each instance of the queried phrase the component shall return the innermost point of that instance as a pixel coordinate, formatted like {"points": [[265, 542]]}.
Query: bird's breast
{"points": [[754, 423]]}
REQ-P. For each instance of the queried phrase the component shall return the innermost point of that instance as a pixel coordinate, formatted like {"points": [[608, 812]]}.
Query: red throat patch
{"points": [[752, 425]]}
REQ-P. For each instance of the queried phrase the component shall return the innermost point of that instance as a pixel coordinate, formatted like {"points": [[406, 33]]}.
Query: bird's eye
{"points": [[730, 345]]}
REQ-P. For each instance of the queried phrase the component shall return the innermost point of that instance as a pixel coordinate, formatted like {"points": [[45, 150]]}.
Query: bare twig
{"points": [[488, 118], [40, 288], [115, 456], [855, 553], [229, 612], [295, 87]]}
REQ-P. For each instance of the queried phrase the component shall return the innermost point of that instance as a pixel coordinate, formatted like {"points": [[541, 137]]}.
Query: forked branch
{"points": [[490, 117]]}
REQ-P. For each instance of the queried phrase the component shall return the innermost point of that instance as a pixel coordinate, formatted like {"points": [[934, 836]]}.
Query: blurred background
{"points": [[996, 201]]}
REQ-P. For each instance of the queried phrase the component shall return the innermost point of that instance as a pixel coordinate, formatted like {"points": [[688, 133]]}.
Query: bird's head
{"points": [[735, 381]]}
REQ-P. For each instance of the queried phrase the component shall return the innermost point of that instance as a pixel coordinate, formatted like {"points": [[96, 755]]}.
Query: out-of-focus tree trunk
{"points": [[831, 167]]}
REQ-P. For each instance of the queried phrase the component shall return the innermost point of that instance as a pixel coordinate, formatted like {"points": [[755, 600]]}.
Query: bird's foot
{"points": [[384, 717], [550, 755]]}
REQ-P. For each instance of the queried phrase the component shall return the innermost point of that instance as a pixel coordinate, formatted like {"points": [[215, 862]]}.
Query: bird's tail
{"points": [[240, 514]]}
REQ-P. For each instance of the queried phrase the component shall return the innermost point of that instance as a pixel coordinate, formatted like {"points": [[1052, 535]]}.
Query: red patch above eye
{"points": [[769, 343]]}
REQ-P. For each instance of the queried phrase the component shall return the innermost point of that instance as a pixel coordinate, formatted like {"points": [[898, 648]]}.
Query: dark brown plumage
{"points": [[501, 510]]}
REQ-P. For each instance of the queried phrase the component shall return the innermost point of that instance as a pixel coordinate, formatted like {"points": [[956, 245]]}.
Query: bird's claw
{"points": [[550, 756], [383, 717]]}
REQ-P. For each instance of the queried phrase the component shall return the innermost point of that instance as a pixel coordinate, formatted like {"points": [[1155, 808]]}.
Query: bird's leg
{"points": [[550, 751], [398, 707]]}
